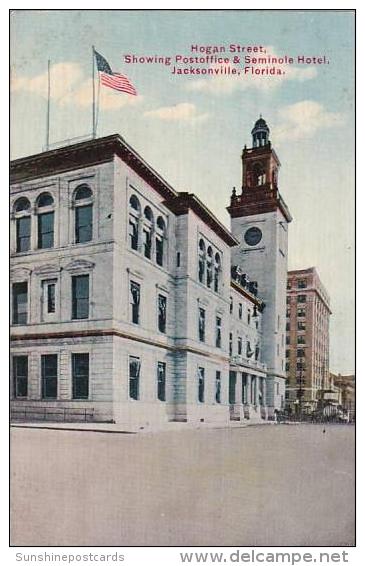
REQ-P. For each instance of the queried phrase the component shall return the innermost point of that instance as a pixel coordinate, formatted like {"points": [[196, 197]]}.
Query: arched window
{"points": [[83, 204], [160, 239], [209, 267], [217, 269], [23, 224], [147, 232], [201, 260], [259, 174], [134, 215], [45, 213]]}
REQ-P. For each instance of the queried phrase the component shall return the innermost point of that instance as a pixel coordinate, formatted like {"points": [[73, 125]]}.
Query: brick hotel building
{"points": [[307, 339], [132, 303]]}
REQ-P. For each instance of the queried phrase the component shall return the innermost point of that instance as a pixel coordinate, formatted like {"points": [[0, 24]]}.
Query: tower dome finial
{"points": [[260, 133]]}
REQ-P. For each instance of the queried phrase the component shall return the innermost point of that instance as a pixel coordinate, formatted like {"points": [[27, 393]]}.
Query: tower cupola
{"points": [[260, 133]]}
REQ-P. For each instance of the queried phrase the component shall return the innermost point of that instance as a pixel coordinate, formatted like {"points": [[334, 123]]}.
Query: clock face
{"points": [[253, 236]]}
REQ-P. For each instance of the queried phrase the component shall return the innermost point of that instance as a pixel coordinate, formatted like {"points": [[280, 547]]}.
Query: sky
{"points": [[192, 129]]}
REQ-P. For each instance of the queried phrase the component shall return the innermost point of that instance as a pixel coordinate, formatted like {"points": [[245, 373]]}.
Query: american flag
{"points": [[110, 79]]}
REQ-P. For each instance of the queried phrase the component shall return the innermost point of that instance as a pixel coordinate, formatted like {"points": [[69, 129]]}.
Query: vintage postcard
{"points": [[182, 283]]}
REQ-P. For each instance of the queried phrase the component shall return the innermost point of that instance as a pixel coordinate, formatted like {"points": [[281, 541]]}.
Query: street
{"points": [[259, 485]]}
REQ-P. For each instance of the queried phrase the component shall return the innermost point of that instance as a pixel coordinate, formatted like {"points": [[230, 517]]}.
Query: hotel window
{"points": [[288, 313], [239, 346], [287, 340], [201, 270], [300, 353], [217, 269], [162, 302], [134, 377], [201, 325], [80, 376], [240, 310], [83, 203], [49, 376], [161, 381], [248, 316], [80, 296], [20, 376], [45, 212], [218, 332], [300, 339], [287, 353], [230, 343], [147, 232], [135, 299], [218, 387], [134, 214], [302, 283], [288, 285], [302, 299], [20, 303], [23, 224], [301, 312], [209, 267], [287, 366], [160, 240], [287, 326], [201, 384], [301, 325], [49, 296]]}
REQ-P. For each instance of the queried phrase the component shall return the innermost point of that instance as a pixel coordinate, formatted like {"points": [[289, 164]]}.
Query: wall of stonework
{"points": [[100, 350]]}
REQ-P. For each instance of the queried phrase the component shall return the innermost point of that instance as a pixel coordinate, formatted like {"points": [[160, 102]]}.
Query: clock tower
{"points": [[259, 220]]}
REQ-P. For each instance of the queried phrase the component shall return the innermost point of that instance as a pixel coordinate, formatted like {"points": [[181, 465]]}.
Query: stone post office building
{"points": [[132, 303]]}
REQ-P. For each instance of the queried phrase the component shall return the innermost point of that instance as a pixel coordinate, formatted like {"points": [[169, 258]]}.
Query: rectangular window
{"points": [[147, 243], [287, 340], [301, 340], [302, 283], [201, 384], [162, 301], [49, 376], [287, 353], [80, 376], [133, 233], [135, 299], [20, 376], [46, 230], [230, 343], [301, 312], [232, 387], [159, 250], [23, 234], [239, 346], [134, 376], [287, 366], [302, 299], [201, 325], [288, 285], [177, 259], [218, 332], [84, 223], [49, 296], [230, 305], [161, 381], [20, 303], [301, 324], [80, 296], [218, 386], [287, 327], [240, 310], [300, 353]]}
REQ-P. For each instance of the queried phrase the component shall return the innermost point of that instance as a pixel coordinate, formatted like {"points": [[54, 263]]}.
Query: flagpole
{"points": [[93, 57], [48, 103]]}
